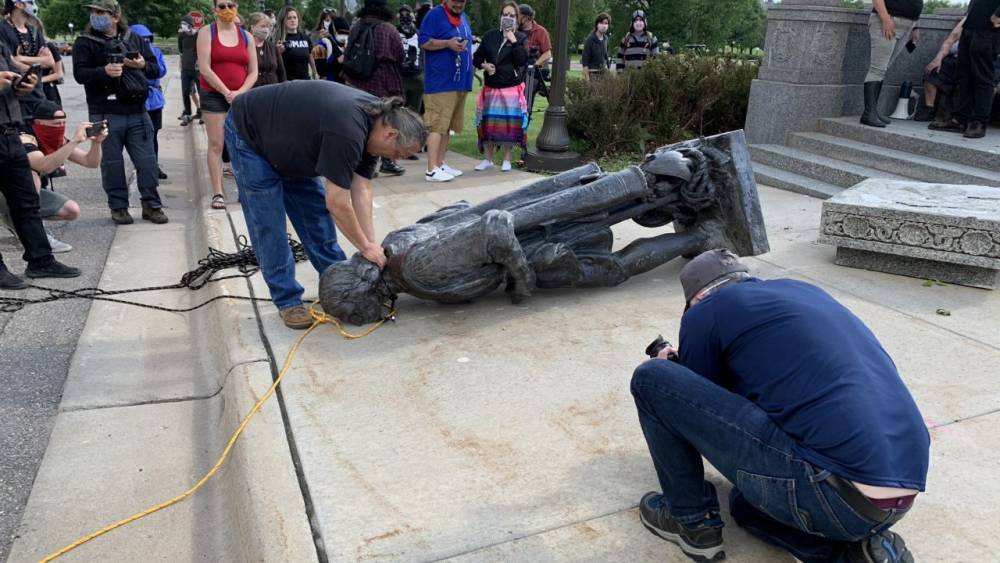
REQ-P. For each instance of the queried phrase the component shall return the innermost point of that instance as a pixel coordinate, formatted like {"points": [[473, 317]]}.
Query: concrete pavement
{"points": [[479, 432]]}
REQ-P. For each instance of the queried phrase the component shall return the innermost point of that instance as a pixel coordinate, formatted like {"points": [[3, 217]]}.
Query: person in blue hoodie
{"points": [[155, 101]]}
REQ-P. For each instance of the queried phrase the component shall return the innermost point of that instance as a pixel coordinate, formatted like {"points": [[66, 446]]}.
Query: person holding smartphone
{"points": [[23, 36], [502, 109], [17, 186], [446, 38], [117, 90]]}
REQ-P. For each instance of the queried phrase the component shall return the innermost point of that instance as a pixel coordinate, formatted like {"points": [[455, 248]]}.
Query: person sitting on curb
{"points": [[792, 398], [48, 149], [340, 140]]}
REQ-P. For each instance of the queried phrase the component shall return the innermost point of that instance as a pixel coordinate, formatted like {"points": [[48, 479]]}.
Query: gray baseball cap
{"points": [[707, 268]]}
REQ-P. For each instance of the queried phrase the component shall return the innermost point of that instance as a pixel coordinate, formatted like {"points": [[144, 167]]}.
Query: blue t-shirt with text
{"points": [[446, 70], [817, 371]]}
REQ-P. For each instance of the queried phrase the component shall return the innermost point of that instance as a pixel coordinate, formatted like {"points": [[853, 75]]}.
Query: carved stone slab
{"points": [[917, 229]]}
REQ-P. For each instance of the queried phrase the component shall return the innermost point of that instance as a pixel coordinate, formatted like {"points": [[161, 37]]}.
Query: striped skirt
{"points": [[502, 117]]}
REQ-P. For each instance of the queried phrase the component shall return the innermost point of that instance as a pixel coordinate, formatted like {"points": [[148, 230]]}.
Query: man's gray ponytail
{"points": [[408, 122]]}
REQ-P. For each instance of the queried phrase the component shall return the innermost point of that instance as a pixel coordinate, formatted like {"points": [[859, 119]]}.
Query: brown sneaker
{"points": [[974, 130], [154, 215], [297, 317]]}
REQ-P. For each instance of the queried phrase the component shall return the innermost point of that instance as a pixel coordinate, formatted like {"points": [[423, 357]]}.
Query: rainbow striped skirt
{"points": [[502, 117]]}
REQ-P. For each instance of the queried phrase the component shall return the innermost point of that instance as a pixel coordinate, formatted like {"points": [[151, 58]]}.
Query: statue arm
{"points": [[503, 248], [445, 211]]}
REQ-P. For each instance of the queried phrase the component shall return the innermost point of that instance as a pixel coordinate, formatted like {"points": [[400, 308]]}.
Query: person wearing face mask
{"points": [[227, 59], [23, 37], [595, 58], [413, 68], [638, 45], [48, 149], [501, 108], [294, 46], [113, 65], [270, 67], [155, 101], [187, 45]]}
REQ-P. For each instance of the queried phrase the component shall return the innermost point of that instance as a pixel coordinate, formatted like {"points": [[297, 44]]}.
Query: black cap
{"points": [[47, 110], [526, 10], [707, 268]]}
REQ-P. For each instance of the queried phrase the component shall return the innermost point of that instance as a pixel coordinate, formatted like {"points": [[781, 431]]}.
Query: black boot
{"points": [[870, 117], [878, 112]]}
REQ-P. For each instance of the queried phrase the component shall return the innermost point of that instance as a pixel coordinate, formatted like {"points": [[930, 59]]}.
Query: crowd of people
{"points": [[959, 82]]}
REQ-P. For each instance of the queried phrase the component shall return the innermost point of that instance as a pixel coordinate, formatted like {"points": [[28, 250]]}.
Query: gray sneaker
{"points": [[701, 541], [56, 244]]}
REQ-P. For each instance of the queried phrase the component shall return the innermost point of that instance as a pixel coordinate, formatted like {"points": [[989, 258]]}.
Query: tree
{"points": [[162, 16]]}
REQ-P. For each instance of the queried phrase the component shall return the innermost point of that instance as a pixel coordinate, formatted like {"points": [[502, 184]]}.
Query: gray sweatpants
{"points": [[885, 51]]}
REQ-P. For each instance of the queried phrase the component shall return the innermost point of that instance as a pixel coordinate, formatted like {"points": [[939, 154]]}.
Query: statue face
{"points": [[353, 292]]}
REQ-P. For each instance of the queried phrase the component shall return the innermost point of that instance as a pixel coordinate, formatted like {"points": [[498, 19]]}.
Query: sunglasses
{"points": [[225, 6]]}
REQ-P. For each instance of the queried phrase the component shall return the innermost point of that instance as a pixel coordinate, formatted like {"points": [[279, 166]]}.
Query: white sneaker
{"points": [[484, 165], [438, 175], [451, 171], [505, 166], [56, 244]]}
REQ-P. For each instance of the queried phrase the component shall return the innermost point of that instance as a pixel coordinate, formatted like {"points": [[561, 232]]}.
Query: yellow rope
{"points": [[318, 319]]}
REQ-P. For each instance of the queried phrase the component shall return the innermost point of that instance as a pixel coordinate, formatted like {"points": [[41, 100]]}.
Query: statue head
{"points": [[353, 291]]}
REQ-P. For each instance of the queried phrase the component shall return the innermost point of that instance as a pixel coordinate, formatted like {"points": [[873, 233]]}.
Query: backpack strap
{"points": [[212, 31], [245, 36]]}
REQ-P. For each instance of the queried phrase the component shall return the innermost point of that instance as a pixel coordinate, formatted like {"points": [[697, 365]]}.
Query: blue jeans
{"points": [[134, 132], [777, 496], [266, 196]]}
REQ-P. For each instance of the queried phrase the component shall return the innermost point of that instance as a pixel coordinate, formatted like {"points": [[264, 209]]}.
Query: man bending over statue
{"points": [[792, 398], [557, 232]]}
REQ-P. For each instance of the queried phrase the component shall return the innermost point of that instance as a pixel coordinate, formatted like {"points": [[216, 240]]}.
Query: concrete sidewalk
{"points": [[494, 432]]}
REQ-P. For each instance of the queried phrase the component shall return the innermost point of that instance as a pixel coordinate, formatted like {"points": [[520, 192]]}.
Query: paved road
{"points": [[37, 343]]}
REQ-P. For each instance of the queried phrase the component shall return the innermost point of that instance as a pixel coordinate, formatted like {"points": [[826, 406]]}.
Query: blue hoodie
{"points": [[155, 100]]}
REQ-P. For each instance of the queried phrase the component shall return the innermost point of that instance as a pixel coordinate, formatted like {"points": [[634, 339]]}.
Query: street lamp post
{"points": [[552, 146]]}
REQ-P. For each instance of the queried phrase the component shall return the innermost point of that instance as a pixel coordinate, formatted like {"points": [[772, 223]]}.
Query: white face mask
{"points": [[602, 27], [639, 26], [30, 8]]}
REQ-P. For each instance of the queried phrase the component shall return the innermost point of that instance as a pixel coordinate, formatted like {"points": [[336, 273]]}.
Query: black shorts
{"points": [[214, 102], [156, 116]]}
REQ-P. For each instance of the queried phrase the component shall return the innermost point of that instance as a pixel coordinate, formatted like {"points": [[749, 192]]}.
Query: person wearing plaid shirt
{"points": [[386, 81]]}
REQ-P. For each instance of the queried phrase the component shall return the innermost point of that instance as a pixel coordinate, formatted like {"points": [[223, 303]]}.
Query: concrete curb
{"points": [[269, 513]]}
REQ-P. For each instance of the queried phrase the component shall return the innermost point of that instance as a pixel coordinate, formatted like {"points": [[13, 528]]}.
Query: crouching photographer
{"points": [[113, 65], [793, 399]]}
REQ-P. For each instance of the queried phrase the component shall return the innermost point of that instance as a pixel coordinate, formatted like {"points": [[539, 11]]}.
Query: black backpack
{"points": [[359, 58]]}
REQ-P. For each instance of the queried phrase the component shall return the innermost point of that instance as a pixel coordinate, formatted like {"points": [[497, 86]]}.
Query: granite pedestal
{"points": [[945, 232]]}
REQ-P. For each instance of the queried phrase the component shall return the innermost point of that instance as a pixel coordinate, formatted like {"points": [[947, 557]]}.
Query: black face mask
{"points": [[406, 20]]}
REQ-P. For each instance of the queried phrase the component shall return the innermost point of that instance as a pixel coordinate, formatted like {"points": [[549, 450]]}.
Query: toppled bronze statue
{"points": [[556, 232]]}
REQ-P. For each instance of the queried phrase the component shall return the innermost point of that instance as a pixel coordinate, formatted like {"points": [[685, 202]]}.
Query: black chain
{"points": [[243, 259]]}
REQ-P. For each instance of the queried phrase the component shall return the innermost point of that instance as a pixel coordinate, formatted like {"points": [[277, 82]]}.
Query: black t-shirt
{"points": [[296, 56], [909, 9], [308, 128], [979, 14]]}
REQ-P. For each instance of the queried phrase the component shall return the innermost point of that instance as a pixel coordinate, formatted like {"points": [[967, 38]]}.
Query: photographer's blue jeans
{"points": [[777, 496], [266, 197], [134, 133]]}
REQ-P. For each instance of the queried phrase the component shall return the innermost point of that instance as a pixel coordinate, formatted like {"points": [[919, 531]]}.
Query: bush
{"points": [[669, 99]]}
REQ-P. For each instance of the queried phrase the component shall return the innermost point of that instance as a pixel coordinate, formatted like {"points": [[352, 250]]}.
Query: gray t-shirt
{"points": [[308, 128]]}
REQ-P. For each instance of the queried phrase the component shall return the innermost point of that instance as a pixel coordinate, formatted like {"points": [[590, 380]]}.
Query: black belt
{"points": [[860, 503]]}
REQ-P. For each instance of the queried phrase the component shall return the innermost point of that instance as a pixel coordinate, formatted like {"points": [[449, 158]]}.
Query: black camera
{"points": [[656, 346]]}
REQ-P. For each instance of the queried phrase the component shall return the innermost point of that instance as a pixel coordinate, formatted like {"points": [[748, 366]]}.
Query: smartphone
{"points": [[95, 129], [32, 70], [116, 59], [132, 55], [911, 46]]}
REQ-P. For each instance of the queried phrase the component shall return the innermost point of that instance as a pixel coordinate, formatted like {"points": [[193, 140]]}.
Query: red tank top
{"points": [[228, 63]]}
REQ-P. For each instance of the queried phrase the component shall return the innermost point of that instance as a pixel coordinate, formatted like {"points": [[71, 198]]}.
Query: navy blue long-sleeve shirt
{"points": [[817, 371]]}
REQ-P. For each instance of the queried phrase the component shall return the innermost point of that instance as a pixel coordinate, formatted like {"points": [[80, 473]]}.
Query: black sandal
{"points": [[218, 201]]}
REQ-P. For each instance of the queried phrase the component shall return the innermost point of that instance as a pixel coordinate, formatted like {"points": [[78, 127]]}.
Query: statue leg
{"points": [[559, 265]]}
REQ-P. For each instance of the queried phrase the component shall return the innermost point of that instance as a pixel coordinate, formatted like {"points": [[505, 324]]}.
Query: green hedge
{"points": [[669, 99]]}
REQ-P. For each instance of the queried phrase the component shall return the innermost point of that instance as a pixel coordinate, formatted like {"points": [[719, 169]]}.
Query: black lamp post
{"points": [[552, 146]]}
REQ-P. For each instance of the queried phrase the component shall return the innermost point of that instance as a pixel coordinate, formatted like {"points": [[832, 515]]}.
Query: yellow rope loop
{"points": [[319, 318]]}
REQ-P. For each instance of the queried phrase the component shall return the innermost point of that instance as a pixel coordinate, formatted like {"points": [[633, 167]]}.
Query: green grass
{"points": [[466, 142]]}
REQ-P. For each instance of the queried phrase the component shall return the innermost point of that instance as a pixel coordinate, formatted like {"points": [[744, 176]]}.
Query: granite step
{"points": [[789, 181], [915, 138], [826, 169], [923, 168]]}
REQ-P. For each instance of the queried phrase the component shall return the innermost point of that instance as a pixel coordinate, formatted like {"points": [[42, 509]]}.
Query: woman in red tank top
{"points": [[228, 66]]}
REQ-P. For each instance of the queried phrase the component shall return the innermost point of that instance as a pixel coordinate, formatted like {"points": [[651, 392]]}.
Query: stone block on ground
{"points": [[945, 232]]}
